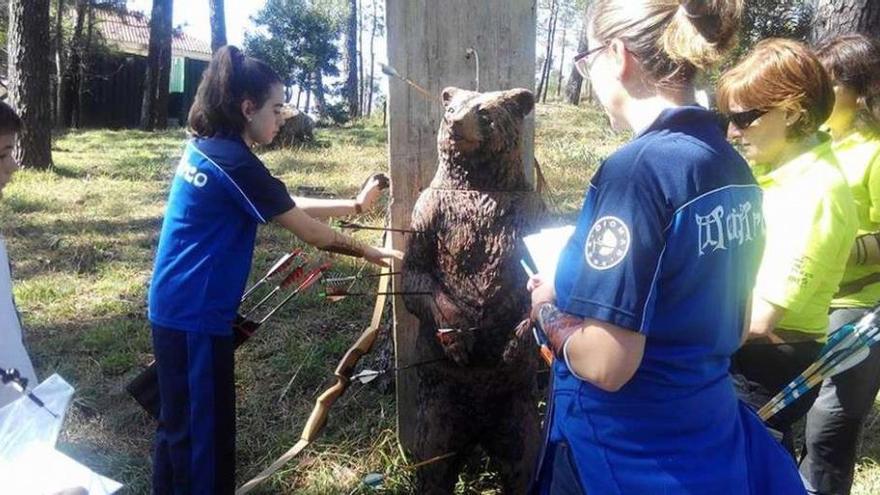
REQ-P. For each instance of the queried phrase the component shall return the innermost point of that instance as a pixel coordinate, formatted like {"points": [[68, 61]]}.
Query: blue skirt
{"points": [[693, 443]]}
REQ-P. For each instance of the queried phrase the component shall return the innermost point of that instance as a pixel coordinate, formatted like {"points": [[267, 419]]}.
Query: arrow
{"points": [[846, 347], [392, 72], [342, 224], [355, 278], [335, 294], [293, 277], [285, 261]]}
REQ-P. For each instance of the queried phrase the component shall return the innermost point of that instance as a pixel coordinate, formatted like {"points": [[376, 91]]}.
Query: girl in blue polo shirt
{"points": [[652, 292], [220, 193]]}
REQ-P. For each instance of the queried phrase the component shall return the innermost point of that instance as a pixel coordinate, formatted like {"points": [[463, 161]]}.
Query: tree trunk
{"points": [[218, 25], [70, 79], [308, 90], [154, 113], [320, 100], [360, 50], [561, 64], [299, 93], [834, 17], [351, 65], [83, 72], [59, 63], [575, 80], [549, 65], [372, 56], [29, 49], [547, 51]]}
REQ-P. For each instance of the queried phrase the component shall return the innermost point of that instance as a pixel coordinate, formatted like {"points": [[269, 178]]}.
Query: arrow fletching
{"points": [[389, 71], [366, 376], [287, 260], [293, 277]]}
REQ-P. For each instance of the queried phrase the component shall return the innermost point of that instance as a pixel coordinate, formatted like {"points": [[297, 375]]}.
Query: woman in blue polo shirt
{"points": [[220, 193], [652, 291]]}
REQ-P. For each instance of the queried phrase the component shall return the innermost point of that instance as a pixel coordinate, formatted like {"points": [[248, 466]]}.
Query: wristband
{"points": [[557, 325]]}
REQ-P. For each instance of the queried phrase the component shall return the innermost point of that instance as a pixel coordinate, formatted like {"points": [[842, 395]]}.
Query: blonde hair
{"points": [[780, 73], [672, 39]]}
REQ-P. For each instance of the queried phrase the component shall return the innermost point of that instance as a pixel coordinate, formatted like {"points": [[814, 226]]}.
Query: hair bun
{"points": [[702, 30], [707, 22]]}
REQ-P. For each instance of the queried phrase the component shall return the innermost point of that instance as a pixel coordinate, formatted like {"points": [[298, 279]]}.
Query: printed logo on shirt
{"points": [[607, 243], [798, 274], [722, 229], [191, 174]]}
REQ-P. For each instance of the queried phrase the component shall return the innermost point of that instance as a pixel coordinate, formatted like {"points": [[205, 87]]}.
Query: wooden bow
{"points": [[343, 374]]}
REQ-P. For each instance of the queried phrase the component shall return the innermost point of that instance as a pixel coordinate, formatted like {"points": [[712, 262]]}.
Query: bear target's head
{"points": [[483, 123]]}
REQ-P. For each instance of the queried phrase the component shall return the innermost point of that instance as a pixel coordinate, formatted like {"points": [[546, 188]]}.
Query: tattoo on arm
{"points": [[343, 244], [556, 324]]}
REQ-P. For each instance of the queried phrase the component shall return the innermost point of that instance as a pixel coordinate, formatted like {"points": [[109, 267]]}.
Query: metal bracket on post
{"points": [[472, 52]]}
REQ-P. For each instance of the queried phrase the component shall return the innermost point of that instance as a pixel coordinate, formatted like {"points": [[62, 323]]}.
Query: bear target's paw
{"points": [[457, 344]]}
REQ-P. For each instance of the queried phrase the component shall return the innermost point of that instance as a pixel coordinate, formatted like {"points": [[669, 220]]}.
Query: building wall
{"points": [[114, 92]]}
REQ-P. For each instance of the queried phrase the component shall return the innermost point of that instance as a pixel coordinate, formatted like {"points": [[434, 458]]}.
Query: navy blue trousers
{"points": [[195, 440]]}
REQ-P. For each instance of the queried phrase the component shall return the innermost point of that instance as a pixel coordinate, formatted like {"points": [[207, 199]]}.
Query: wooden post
{"points": [[428, 43]]}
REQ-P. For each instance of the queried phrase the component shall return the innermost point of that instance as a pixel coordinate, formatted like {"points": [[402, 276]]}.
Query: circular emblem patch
{"points": [[607, 243]]}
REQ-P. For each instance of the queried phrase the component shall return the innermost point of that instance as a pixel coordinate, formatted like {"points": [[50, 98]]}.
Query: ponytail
{"points": [[230, 78], [853, 60]]}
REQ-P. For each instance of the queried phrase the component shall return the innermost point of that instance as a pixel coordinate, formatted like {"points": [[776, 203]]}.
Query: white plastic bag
{"points": [[29, 463]]}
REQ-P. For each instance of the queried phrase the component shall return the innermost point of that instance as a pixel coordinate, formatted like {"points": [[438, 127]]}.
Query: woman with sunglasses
{"points": [[776, 99], [651, 293], [836, 418]]}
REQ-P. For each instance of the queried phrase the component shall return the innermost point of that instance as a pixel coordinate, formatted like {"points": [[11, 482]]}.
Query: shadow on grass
{"points": [[58, 242]]}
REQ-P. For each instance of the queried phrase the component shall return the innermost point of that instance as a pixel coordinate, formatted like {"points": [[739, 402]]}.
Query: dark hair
{"points": [[10, 122], [780, 73], [854, 61], [230, 79]]}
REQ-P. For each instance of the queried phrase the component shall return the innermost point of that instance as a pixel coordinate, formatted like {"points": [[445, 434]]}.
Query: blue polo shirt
{"points": [[219, 194], [667, 244]]}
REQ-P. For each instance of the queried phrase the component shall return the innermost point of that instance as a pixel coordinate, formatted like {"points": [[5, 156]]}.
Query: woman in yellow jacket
{"points": [[836, 418], [776, 99]]}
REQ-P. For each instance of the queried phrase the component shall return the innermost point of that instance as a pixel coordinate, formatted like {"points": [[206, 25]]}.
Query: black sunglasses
{"points": [[742, 120]]}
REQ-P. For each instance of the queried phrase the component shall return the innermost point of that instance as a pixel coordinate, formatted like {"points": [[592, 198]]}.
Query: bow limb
{"points": [[318, 418]]}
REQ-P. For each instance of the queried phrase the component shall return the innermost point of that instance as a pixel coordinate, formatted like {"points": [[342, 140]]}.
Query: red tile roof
{"points": [[132, 29]]}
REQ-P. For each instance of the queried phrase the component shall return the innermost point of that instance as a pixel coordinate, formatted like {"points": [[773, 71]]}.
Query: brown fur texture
{"points": [[471, 220]]}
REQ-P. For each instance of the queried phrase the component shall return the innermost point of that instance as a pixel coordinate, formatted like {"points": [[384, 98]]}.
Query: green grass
{"points": [[82, 237]]}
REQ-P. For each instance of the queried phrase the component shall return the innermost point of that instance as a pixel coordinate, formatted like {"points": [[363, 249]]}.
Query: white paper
{"points": [[29, 463], [545, 248]]}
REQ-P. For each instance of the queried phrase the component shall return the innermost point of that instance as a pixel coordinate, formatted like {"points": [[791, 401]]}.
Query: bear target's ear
{"points": [[520, 101], [447, 94]]}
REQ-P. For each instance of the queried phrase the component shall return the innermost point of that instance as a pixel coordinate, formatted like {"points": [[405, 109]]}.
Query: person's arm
{"points": [[326, 208], [800, 255], [321, 236], [329, 208], [866, 250], [598, 352], [764, 318]]}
